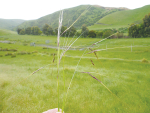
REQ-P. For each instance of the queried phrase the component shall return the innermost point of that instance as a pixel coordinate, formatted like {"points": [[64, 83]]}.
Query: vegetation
{"points": [[29, 75], [140, 30], [85, 30], [47, 30], [121, 19], [107, 33], [96, 18], [92, 34], [70, 15], [29, 31], [70, 33], [117, 67], [10, 23]]}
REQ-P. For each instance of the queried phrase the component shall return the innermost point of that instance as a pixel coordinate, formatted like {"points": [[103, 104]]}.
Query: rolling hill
{"points": [[6, 32], [121, 18], [93, 14], [10, 23]]}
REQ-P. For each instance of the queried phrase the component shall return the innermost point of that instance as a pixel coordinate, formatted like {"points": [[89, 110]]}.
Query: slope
{"points": [[94, 13], [6, 32], [121, 18], [10, 23]]}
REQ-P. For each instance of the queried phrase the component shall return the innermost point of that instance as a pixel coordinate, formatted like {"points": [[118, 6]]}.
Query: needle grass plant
{"points": [[61, 58]]}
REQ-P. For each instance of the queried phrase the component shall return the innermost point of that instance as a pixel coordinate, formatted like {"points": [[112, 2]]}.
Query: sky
{"points": [[34, 9]]}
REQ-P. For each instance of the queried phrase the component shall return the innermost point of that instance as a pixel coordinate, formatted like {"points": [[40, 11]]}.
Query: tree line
{"points": [[47, 30], [101, 34], [29, 31], [140, 30], [85, 32]]}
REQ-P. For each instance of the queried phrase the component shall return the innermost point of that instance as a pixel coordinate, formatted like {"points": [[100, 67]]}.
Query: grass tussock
{"points": [[6, 49], [13, 55], [144, 60], [8, 54]]}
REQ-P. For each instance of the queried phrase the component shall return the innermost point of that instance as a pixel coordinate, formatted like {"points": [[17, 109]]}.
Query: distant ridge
{"points": [[70, 15], [10, 23], [109, 8], [96, 18]]}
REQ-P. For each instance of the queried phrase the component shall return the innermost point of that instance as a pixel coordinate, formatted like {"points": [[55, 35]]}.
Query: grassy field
{"points": [[121, 19], [122, 65]]}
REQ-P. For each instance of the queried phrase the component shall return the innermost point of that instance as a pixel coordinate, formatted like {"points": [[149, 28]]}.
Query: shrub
{"points": [[107, 33], [92, 34], [119, 35]]}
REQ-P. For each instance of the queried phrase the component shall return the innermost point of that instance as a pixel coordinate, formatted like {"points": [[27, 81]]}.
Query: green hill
{"points": [[10, 23], [121, 18], [6, 32], [71, 14]]}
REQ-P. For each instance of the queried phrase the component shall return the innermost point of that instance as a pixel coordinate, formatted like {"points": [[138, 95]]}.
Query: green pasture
{"points": [[122, 65]]}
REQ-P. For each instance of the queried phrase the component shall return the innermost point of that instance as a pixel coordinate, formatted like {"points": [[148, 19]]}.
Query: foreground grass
{"points": [[128, 79]]}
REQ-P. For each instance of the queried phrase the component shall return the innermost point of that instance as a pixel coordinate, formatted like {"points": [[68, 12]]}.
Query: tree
{"points": [[135, 30], [107, 33], [45, 27], [146, 20], [92, 34], [28, 30], [47, 30], [56, 31], [84, 30], [72, 31], [100, 34], [22, 32], [18, 30], [36, 30], [63, 28], [140, 30], [50, 30]]}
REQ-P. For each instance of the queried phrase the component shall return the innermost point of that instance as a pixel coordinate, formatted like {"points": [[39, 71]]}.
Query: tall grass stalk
{"points": [[63, 106], [58, 46], [58, 52]]}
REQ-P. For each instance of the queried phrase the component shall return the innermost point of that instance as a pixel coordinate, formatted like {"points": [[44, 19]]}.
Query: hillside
{"points": [[70, 15], [10, 23], [121, 18], [6, 32]]}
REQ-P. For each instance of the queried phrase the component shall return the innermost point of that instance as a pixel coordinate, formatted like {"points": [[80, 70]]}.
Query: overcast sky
{"points": [[34, 9]]}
